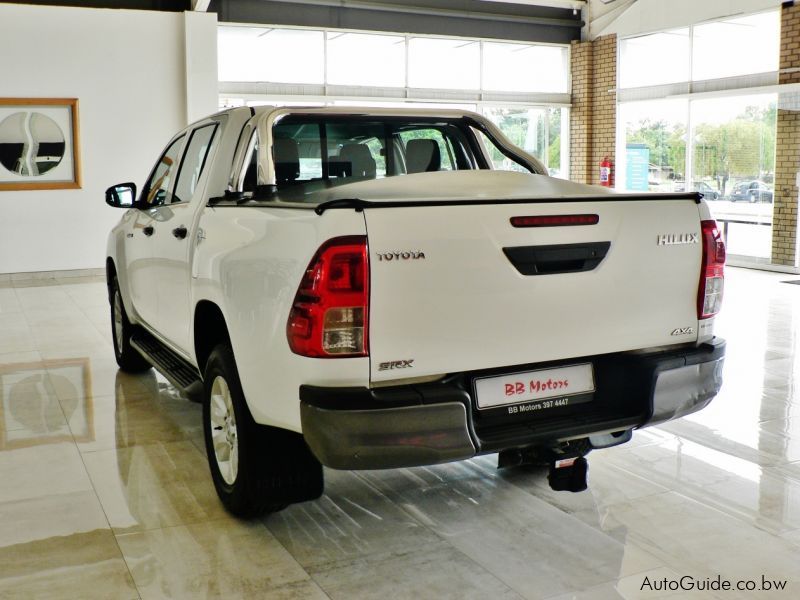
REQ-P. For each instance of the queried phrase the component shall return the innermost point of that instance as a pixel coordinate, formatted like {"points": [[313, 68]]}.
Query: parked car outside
{"points": [[708, 192], [751, 191]]}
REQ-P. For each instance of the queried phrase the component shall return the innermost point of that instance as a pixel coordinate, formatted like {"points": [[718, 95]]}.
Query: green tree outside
{"points": [[743, 148]]}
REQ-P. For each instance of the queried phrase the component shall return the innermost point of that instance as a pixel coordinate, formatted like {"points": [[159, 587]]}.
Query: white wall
{"points": [[645, 16], [129, 71]]}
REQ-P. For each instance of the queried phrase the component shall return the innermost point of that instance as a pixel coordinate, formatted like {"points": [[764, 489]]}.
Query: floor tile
{"points": [[60, 546], [694, 539], [223, 558], [153, 486], [41, 467], [436, 571], [353, 519], [535, 548]]}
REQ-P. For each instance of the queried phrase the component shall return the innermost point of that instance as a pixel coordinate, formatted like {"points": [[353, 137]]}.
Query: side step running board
{"points": [[178, 371]]}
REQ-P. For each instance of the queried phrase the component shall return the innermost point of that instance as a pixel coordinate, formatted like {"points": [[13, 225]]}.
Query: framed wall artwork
{"points": [[39, 144]]}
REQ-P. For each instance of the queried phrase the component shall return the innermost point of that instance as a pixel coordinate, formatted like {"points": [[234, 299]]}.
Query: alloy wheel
{"points": [[223, 430]]}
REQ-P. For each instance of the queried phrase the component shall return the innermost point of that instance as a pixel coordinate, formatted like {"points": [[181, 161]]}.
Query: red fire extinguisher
{"points": [[606, 172]]}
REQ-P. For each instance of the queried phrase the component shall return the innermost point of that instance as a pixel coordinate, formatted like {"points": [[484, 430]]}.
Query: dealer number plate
{"points": [[536, 387]]}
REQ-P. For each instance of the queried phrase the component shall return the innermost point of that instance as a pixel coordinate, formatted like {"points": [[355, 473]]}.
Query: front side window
{"points": [[157, 190], [193, 162]]}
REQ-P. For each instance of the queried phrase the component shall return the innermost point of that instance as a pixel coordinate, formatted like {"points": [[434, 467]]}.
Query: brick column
{"points": [[580, 124], [787, 145], [593, 119]]}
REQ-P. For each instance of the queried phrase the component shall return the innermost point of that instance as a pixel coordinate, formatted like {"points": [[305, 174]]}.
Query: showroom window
{"points": [[737, 46], [525, 67], [522, 87], [734, 157], [444, 63], [365, 59], [705, 120], [270, 54], [655, 145], [539, 131], [641, 59]]}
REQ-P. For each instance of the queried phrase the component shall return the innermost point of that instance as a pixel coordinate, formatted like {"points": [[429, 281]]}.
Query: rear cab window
{"points": [[312, 153]]}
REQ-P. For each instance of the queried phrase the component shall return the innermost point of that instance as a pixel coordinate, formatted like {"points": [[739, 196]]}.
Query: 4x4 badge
{"points": [[682, 331]]}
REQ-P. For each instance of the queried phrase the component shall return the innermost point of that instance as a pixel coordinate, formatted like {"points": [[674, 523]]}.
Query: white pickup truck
{"points": [[378, 288]]}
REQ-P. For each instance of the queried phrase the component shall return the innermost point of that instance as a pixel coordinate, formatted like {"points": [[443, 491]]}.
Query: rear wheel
{"points": [[256, 469], [128, 359]]}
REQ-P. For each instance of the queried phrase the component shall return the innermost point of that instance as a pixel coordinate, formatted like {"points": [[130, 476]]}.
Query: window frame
{"points": [[142, 202], [184, 154]]}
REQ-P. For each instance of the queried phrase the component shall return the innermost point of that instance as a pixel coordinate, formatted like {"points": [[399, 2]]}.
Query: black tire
{"points": [[274, 467], [128, 359]]}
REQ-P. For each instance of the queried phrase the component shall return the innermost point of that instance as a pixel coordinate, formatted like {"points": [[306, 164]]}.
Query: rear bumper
{"points": [[361, 428]]}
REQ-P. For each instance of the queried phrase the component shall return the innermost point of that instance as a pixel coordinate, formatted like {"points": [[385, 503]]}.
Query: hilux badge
{"points": [[673, 239]]}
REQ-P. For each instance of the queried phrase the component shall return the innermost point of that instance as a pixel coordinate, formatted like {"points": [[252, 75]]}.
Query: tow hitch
{"points": [[567, 463], [568, 468], [568, 474]]}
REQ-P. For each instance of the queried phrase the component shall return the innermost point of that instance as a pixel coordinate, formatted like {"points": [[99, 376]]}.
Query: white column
{"points": [[202, 93]]}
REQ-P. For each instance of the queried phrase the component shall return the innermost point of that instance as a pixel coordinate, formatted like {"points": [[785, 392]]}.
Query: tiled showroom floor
{"points": [[105, 491]]}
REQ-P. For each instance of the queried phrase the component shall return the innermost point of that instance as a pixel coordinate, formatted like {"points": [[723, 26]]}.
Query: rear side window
{"points": [[194, 160], [157, 190]]}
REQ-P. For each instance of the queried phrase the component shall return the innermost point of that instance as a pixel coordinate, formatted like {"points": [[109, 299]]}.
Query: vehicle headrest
{"points": [[360, 158], [287, 160], [422, 155]]}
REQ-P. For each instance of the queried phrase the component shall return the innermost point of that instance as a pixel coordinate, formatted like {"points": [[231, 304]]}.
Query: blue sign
{"points": [[637, 167]]}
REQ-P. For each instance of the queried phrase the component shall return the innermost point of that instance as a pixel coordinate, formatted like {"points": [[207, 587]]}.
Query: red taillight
{"points": [[555, 220], [330, 312], [712, 275]]}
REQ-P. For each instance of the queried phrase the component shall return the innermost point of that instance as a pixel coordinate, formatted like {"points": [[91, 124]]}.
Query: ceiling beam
{"points": [[573, 4]]}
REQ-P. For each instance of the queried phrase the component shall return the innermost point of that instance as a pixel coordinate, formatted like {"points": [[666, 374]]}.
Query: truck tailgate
{"points": [[458, 288]]}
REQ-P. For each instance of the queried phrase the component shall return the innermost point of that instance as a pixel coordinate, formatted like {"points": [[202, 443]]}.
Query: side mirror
{"points": [[122, 195]]}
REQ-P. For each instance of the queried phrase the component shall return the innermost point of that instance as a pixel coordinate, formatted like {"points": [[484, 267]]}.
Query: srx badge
{"points": [[395, 364]]}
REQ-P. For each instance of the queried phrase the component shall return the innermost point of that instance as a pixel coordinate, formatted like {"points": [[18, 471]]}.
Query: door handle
{"points": [[180, 232], [148, 231]]}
